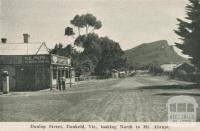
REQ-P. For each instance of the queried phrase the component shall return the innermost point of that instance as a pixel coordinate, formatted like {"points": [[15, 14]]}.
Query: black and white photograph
{"points": [[99, 61]]}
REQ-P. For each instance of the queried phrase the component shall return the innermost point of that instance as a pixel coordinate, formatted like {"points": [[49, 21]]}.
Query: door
{"points": [[25, 78]]}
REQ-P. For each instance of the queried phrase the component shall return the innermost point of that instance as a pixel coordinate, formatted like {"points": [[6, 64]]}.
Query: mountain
{"points": [[159, 52]]}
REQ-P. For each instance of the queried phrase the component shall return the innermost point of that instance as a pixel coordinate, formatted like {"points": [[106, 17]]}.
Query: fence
{"points": [[85, 78]]}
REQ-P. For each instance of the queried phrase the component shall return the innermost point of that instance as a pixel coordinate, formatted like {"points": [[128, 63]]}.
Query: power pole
{"points": [[70, 78]]}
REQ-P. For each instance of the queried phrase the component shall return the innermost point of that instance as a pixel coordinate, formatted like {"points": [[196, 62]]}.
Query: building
{"points": [[31, 67], [168, 67], [185, 68]]}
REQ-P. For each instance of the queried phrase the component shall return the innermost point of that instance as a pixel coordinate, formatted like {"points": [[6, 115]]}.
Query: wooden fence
{"points": [[85, 78]]}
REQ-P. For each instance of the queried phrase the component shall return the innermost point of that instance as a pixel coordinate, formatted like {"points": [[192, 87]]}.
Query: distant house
{"points": [[168, 67], [185, 68], [30, 65]]}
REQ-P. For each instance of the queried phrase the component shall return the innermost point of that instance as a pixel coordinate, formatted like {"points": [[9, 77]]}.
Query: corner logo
{"points": [[182, 109]]}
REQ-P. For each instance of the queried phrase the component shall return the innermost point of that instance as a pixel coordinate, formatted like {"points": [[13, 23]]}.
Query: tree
{"points": [[99, 55], [104, 53], [60, 45], [189, 32], [97, 25], [78, 21], [86, 21], [69, 31], [62, 51], [92, 48], [154, 68], [69, 50], [111, 56], [55, 49], [90, 21]]}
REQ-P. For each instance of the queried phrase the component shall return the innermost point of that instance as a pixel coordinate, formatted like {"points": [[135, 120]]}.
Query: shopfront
{"points": [[36, 72]]}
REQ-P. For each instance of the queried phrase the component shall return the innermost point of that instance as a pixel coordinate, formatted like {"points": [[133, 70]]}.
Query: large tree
{"points": [[78, 21], [111, 56], [99, 55], [189, 31], [86, 21]]}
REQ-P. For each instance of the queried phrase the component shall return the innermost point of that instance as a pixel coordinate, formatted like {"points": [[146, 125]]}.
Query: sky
{"points": [[129, 22]]}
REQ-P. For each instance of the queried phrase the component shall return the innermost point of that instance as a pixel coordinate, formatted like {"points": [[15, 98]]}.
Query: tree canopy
{"points": [[189, 32], [86, 21], [69, 31], [104, 53], [100, 54]]}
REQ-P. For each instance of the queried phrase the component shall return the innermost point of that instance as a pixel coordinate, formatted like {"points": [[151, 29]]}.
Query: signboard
{"points": [[60, 60], [36, 59]]}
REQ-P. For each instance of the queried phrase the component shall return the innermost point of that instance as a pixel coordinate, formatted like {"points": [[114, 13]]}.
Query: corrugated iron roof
{"points": [[23, 48]]}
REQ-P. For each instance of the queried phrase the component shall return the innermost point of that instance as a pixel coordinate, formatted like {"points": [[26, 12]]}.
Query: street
{"points": [[132, 99]]}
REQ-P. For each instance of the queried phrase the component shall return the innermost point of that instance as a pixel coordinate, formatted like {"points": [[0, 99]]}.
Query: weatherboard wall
{"points": [[31, 72], [27, 77]]}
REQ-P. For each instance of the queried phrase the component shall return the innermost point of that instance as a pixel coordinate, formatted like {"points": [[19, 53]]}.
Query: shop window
{"points": [[63, 73], [67, 74]]}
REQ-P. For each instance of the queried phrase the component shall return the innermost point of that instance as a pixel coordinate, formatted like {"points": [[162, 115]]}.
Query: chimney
{"points": [[26, 38], [3, 40]]}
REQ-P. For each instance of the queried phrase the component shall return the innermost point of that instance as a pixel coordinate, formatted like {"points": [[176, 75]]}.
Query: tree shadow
{"points": [[175, 94], [169, 87]]}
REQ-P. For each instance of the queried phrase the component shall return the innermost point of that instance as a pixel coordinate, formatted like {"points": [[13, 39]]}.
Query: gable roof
{"points": [[23, 49], [185, 64]]}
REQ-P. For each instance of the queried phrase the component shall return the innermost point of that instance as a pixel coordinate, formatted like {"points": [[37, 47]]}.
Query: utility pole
{"points": [[70, 78], [70, 72]]}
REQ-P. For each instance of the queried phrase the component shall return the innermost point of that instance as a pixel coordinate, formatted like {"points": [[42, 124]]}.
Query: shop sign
{"points": [[60, 60], [37, 59]]}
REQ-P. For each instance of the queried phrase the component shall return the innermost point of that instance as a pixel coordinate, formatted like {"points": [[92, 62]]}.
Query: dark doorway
{"points": [[25, 78]]}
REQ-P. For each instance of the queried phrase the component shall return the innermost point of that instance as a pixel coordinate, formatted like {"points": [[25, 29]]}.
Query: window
{"points": [[67, 73]]}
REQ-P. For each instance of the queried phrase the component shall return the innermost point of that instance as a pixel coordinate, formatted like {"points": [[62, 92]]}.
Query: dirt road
{"points": [[122, 100]]}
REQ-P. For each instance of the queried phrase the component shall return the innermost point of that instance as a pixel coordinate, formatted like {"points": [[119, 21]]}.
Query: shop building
{"points": [[30, 66]]}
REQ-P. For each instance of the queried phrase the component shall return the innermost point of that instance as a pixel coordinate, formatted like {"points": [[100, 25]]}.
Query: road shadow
{"points": [[170, 87], [175, 94]]}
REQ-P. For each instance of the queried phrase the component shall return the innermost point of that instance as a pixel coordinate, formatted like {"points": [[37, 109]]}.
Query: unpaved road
{"points": [[121, 100]]}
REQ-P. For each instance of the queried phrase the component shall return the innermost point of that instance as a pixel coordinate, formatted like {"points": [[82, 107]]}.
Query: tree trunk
{"points": [[86, 29], [92, 30], [79, 33]]}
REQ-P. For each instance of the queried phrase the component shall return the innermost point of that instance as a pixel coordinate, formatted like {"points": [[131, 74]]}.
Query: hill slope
{"points": [[159, 52]]}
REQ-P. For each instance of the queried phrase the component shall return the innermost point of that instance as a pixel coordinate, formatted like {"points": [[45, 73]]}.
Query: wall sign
{"points": [[60, 60], [37, 59]]}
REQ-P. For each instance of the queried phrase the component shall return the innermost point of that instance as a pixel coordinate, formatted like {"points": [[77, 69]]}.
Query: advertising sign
{"points": [[60, 60], [37, 59]]}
